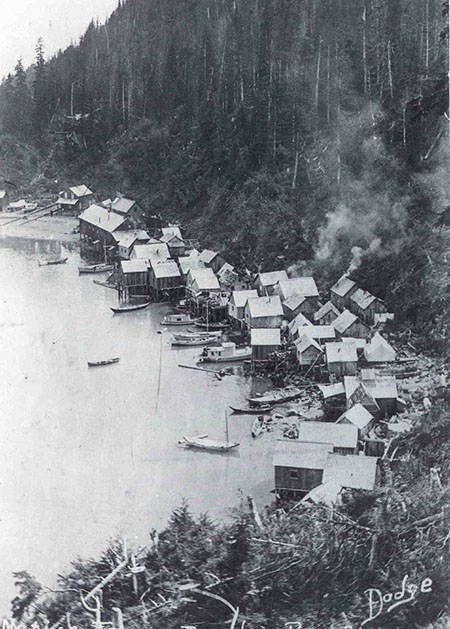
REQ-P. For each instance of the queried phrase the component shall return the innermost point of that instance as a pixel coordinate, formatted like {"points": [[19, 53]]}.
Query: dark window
{"points": [[293, 474]]}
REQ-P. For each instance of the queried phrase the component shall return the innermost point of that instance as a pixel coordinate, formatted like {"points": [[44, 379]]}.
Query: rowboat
{"points": [[278, 396], [193, 342], [130, 308], [251, 411], [196, 335], [225, 353], [212, 326], [258, 426], [51, 262], [178, 319], [95, 268], [101, 363], [204, 443], [105, 284]]}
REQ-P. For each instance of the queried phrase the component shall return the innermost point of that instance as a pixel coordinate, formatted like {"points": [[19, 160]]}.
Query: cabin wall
{"points": [[263, 322], [327, 318], [309, 356], [262, 352], [306, 480], [341, 369]]}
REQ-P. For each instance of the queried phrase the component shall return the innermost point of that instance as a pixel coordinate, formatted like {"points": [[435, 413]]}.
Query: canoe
{"points": [[51, 262], [193, 342], [101, 363], [95, 268], [251, 411], [130, 308], [277, 397], [202, 442]]}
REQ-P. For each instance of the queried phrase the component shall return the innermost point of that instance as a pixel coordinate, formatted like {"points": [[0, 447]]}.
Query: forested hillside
{"points": [[285, 132]]}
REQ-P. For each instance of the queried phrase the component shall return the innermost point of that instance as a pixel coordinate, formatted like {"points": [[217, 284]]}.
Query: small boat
{"points": [[193, 342], [278, 396], [130, 308], [95, 268], [51, 262], [202, 442], [259, 426], [225, 353], [196, 335], [101, 363], [105, 284], [212, 326], [252, 411], [178, 319]]}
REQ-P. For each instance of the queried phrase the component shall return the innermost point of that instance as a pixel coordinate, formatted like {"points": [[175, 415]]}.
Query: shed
{"points": [[348, 324], [75, 199], [133, 276], [359, 417], [263, 312], [326, 314], [366, 306], [131, 209], [202, 281], [300, 294], [343, 437], [212, 259], [172, 230], [322, 333], [379, 350], [192, 261], [264, 341], [177, 246], [352, 471], [237, 302], [296, 326], [299, 467], [342, 359], [334, 400], [341, 292], [380, 389], [127, 240], [265, 282], [308, 350]]}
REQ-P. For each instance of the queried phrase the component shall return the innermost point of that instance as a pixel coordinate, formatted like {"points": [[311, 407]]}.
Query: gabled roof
{"points": [[271, 277], [157, 251], [320, 332], [190, 262], [379, 350], [294, 301], [265, 307], [381, 387], [63, 201], [356, 415], [129, 237], [239, 297], [224, 269], [99, 216], [122, 205], [358, 343], [343, 286], [265, 336], [326, 493], [172, 239], [363, 299], [305, 342], [341, 353], [204, 279], [331, 390], [351, 471], [207, 256], [326, 308], [81, 191], [166, 268], [137, 265], [305, 286], [344, 321], [340, 435], [298, 455], [173, 230], [300, 321]]}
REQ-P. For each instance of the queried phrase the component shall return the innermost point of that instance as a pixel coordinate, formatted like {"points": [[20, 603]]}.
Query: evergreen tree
{"points": [[40, 92]]}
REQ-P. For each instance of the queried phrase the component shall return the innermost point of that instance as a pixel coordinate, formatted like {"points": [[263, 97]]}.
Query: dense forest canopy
{"points": [[286, 132]]}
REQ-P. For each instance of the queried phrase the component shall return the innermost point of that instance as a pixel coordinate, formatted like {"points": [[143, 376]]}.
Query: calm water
{"points": [[88, 454]]}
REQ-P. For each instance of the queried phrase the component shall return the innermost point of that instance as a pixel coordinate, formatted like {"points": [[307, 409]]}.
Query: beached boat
{"points": [[277, 396], [51, 262], [130, 307], [256, 410], [202, 442], [95, 268], [101, 363], [212, 326], [225, 353], [193, 342], [178, 319], [259, 426]]}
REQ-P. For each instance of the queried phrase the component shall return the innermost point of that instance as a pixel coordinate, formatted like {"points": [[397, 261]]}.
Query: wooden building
{"points": [[227, 276], [379, 350], [342, 360], [265, 282], [334, 401], [308, 350], [298, 294], [177, 246], [366, 306], [133, 278], [98, 227], [263, 312], [344, 438], [377, 393], [190, 262], [359, 417], [212, 259], [348, 324], [127, 240], [165, 280], [352, 471], [299, 467], [297, 324], [264, 341], [202, 282], [341, 292], [326, 314], [75, 200], [236, 305], [153, 252], [322, 333], [132, 210]]}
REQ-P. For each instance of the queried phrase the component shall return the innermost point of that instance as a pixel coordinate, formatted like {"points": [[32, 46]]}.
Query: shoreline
{"points": [[57, 228]]}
